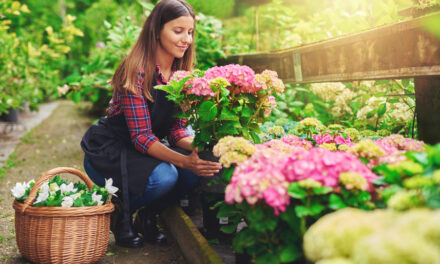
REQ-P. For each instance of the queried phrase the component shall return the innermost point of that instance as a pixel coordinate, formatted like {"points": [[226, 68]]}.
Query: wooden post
{"points": [[428, 108]]}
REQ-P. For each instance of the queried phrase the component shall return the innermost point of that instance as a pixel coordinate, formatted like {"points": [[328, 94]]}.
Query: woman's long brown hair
{"points": [[143, 53]]}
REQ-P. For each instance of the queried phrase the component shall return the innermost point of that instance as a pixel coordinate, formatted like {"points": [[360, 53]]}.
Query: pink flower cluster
{"points": [[180, 75], [268, 173], [201, 87], [401, 143], [325, 166], [260, 178], [326, 138], [241, 76], [297, 141]]}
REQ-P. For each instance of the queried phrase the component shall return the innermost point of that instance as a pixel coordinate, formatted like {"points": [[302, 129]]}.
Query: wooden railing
{"points": [[397, 51]]}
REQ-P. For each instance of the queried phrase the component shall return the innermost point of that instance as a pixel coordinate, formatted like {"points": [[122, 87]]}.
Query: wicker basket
{"points": [[58, 234]]}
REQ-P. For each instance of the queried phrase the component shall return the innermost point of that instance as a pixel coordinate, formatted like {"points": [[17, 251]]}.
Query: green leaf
{"points": [[205, 135], [290, 253], [382, 109], [371, 113], [363, 197], [76, 97], [296, 191], [227, 115], [316, 208], [226, 210], [322, 190], [246, 112], [228, 128], [302, 211], [335, 202], [267, 258], [292, 220], [228, 229], [207, 111], [227, 173], [255, 137], [420, 157], [255, 215]]}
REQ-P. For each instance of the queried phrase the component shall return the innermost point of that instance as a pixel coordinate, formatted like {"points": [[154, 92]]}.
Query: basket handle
{"points": [[49, 174]]}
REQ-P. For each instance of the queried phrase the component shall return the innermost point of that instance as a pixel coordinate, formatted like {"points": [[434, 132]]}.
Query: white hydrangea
{"points": [[401, 113], [341, 106], [372, 103], [328, 91]]}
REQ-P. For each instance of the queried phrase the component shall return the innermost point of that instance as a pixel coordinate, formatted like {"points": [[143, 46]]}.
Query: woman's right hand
{"points": [[201, 167]]}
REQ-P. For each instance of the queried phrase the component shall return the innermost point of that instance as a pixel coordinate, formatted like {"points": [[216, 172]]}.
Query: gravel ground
{"points": [[55, 143]]}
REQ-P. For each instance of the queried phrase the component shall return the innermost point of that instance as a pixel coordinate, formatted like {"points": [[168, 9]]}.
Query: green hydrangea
{"points": [[354, 134], [368, 133], [418, 181], [407, 167], [404, 200], [335, 261], [383, 132], [380, 236], [352, 180], [309, 184], [436, 177]]}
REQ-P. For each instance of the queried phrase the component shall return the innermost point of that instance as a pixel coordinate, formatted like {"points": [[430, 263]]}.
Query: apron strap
{"points": [[124, 176]]}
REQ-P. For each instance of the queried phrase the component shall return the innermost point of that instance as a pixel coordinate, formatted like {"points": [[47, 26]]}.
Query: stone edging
{"points": [[193, 245]]}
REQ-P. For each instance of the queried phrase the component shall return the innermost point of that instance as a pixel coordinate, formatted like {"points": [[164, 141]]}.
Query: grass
{"points": [[27, 138], [9, 163]]}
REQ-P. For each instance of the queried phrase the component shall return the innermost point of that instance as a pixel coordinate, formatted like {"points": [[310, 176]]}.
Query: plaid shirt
{"points": [[137, 116]]}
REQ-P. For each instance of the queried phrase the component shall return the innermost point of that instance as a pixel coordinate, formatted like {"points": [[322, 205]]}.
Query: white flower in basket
{"points": [[46, 242]]}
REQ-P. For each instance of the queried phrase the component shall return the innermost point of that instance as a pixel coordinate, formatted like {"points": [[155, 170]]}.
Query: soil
{"points": [[55, 143]]}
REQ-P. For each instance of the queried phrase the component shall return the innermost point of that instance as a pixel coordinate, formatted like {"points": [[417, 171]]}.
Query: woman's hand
{"points": [[201, 167]]}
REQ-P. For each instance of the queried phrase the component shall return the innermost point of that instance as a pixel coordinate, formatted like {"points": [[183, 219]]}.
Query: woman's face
{"points": [[176, 36]]}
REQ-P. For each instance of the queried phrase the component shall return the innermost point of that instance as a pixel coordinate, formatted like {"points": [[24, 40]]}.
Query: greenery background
{"points": [[72, 47]]}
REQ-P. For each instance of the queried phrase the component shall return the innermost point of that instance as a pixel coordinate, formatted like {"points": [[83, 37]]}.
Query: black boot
{"points": [[122, 227], [146, 224]]}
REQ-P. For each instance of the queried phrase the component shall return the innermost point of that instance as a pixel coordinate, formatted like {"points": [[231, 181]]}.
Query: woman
{"points": [[127, 145]]}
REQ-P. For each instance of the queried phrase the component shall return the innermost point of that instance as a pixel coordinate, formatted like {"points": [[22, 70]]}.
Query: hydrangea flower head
{"points": [[353, 180]]}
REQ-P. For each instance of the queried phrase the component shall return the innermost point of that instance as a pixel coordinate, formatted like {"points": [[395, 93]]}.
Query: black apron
{"points": [[111, 153]]}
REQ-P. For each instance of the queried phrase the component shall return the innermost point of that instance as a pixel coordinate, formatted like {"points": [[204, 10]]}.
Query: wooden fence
{"points": [[397, 51]]}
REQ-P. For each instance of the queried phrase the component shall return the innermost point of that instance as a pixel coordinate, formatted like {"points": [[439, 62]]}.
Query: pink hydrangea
{"points": [[297, 141], [321, 139], [260, 178], [267, 174], [241, 76], [325, 166], [201, 87], [327, 139], [401, 143]]}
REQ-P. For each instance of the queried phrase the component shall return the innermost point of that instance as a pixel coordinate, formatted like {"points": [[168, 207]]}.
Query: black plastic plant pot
{"points": [[243, 258], [206, 184], [188, 203], [11, 116], [211, 223]]}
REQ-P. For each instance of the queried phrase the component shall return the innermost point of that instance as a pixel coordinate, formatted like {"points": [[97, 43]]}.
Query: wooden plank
{"points": [[428, 108], [400, 50]]}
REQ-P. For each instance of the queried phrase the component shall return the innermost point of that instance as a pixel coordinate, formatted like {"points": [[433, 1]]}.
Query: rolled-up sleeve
{"points": [[138, 120], [178, 131]]}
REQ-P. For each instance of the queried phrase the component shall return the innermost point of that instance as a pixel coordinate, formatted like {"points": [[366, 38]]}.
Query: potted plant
{"points": [[222, 101]]}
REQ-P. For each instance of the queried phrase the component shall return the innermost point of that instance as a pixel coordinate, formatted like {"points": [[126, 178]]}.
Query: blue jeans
{"points": [[161, 181]]}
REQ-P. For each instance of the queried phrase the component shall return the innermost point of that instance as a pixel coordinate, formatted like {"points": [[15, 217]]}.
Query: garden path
{"points": [[54, 143]]}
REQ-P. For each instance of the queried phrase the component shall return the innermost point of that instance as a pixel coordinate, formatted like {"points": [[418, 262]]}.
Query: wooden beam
{"points": [[428, 108], [400, 50]]}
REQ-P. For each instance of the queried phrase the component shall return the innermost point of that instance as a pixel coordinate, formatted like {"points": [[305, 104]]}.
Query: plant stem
{"points": [[256, 112]]}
